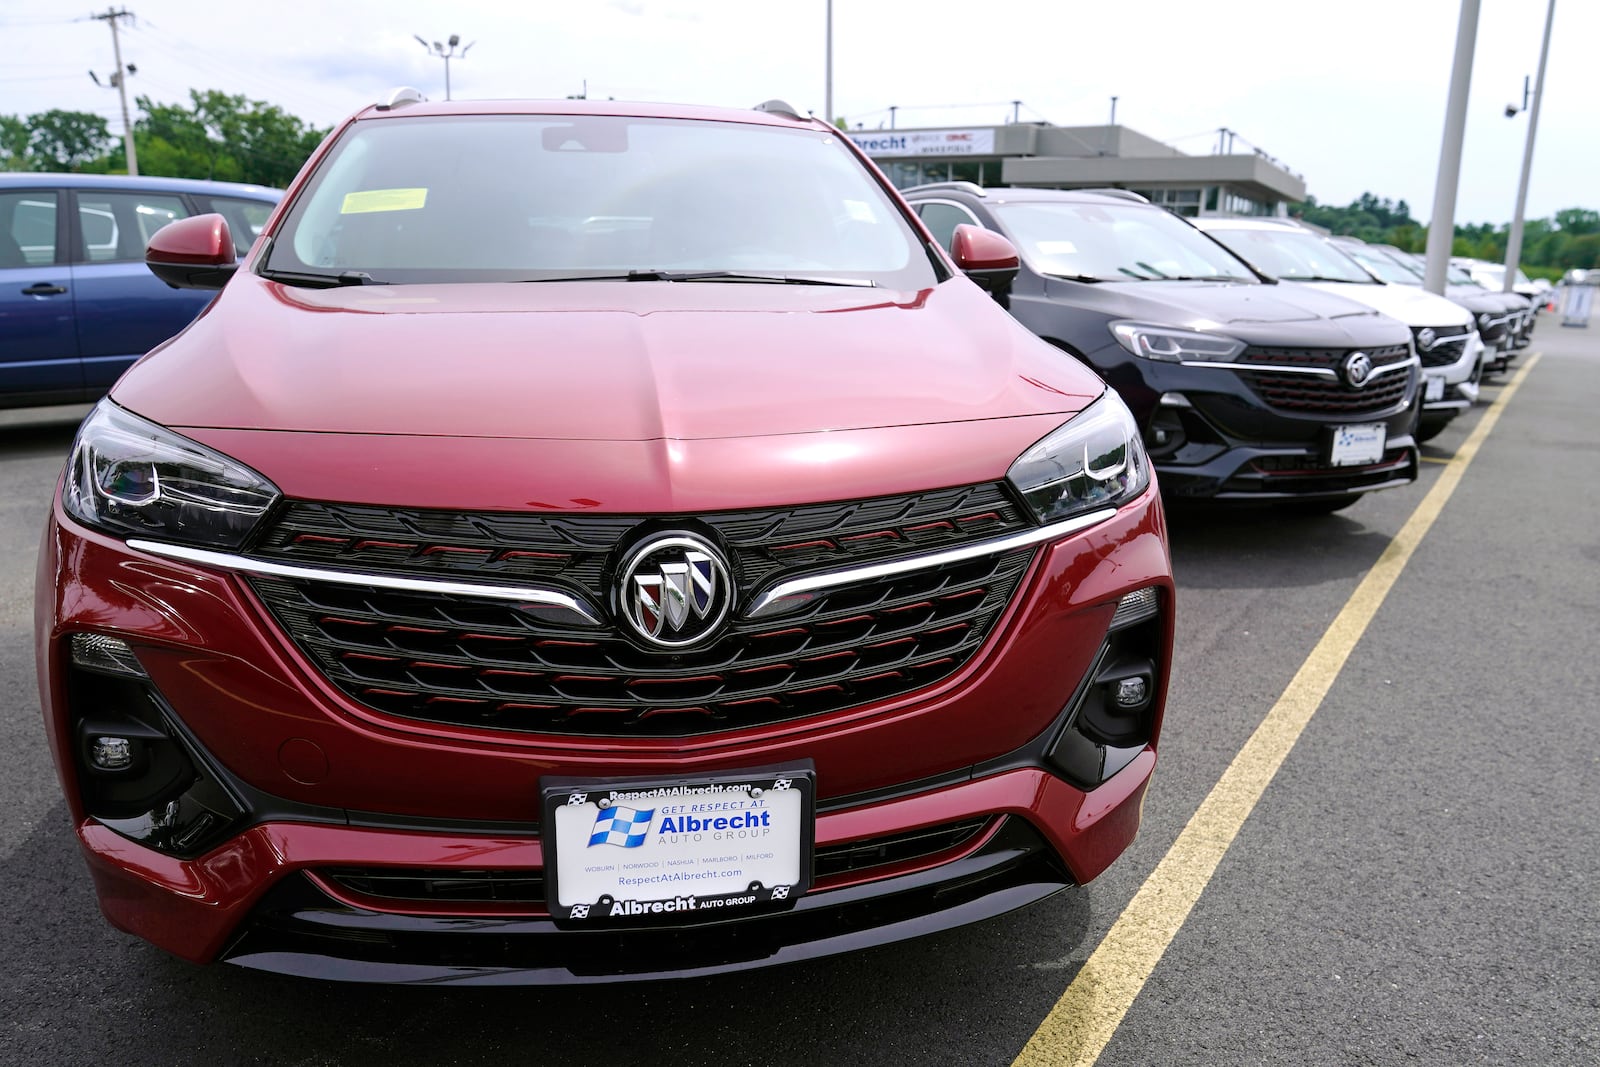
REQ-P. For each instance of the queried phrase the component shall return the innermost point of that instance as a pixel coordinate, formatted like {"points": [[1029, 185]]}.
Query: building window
{"points": [[1181, 201]]}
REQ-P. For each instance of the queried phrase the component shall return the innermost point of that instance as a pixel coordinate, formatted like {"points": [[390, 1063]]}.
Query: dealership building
{"points": [[1086, 157]]}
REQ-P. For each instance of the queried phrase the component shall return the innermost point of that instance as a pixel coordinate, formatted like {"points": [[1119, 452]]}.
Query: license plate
{"points": [[681, 850], [1353, 445], [1433, 389]]}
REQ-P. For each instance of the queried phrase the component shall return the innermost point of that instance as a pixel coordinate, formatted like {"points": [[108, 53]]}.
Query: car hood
{"points": [[1259, 314], [1414, 307], [638, 397], [599, 361]]}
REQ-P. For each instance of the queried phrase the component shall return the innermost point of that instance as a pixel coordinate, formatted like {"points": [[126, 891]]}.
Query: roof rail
{"points": [[961, 187], [780, 107], [398, 97], [1121, 194]]}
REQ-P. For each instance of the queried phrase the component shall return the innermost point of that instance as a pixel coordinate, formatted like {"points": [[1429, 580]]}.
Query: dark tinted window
{"points": [[27, 229], [245, 218], [117, 226], [942, 220]]}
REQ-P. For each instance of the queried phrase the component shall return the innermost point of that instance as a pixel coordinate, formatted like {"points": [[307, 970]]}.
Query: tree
{"points": [[13, 143], [66, 140], [223, 137], [1578, 221]]}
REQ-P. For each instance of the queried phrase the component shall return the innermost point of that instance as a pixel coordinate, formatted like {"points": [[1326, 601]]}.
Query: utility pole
{"points": [[120, 81], [1442, 229], [447, 54], [1514, 243]]}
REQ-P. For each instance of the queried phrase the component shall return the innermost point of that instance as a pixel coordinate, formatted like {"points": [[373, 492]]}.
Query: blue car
{"points": [[77, 304]]}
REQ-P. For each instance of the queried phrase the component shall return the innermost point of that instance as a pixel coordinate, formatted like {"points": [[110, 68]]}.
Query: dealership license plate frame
{"points": [[593, 901], [1433, 388], [1357, 444]]}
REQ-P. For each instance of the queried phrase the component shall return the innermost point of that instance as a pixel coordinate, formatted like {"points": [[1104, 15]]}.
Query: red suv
{"points": [[586, 541]]}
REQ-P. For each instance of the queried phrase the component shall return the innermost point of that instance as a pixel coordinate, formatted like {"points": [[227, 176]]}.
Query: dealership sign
{"points": [[926, 143]]}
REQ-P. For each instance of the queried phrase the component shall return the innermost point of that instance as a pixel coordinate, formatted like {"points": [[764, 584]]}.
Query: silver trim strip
{"points": [[1315, 372], [798, 591], [544, 598]]}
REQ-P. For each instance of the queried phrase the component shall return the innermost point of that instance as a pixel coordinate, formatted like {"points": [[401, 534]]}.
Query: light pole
{"points": [[1442, 229], [446, 53], [827, 72], [1514, 242]]}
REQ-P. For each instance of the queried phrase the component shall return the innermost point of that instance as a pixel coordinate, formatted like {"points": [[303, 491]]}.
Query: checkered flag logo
{"points": [[782, 783], [578, 798], [780, 892], [580, 911], [622, 826]]}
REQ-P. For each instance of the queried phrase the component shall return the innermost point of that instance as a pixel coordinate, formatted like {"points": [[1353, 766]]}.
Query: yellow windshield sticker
{"points": [[366, 200]]}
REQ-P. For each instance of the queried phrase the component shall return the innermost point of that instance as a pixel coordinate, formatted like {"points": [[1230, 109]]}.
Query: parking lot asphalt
{"points": [[1418, 883]]}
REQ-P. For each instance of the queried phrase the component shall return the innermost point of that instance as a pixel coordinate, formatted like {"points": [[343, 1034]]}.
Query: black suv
{"points": [[1244, 390]]}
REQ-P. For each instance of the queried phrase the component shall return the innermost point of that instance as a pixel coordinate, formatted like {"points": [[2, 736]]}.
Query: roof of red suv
{"points": [[632, 108]]}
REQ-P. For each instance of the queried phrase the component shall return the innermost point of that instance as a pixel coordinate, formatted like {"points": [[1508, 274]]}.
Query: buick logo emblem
{"points": [[673, 590], [1357, 369]]}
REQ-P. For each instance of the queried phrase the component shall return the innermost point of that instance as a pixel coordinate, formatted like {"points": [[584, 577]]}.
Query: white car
{"points": [[1444, 333]]}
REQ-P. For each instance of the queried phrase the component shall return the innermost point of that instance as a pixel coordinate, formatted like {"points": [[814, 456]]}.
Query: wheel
{"points": [[1431, 426], [1323, 506]]}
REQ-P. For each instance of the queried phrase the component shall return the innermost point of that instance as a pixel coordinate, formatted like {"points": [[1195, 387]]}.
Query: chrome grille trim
{"points": [[558, 607], [798, 592]]}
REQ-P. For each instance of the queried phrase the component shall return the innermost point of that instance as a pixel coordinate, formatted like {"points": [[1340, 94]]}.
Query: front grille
{"points": [[856, 856], [525, 888], [1449, 343], [461, 660], [1290, 465], [1311, 395], [441, 886], [573, 551]]}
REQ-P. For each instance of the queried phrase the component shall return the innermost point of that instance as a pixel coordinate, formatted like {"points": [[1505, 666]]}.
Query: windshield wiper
{"points": [[315, 280], [741, 276], [1326, 278], [1089, 279]]}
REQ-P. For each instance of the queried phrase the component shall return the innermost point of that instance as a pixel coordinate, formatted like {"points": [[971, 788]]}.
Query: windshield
{"points": [[540, 198], [1384, 266], [1114, 242], [1294, 255]]}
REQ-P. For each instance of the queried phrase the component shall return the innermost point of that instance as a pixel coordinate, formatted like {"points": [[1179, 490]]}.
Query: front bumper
{"points": [[320, 783], [250, 901]]}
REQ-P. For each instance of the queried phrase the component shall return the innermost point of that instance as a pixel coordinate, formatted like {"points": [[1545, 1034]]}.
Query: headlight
{"points": [[128, 476], [1093, 461], [1173, 345]]}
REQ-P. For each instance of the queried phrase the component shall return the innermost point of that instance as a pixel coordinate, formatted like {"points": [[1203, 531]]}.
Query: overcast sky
{"points": [[1349, 93]]}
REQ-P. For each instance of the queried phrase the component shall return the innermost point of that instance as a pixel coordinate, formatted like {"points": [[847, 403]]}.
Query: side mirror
{"points": [[984, 256], [192, 253]]}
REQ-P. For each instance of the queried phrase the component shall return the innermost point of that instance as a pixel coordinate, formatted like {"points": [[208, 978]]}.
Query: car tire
{"points": [[1312, 508]]}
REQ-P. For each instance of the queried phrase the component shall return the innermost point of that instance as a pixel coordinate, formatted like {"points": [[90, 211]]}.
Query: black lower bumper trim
{"points": [[298, 930]]}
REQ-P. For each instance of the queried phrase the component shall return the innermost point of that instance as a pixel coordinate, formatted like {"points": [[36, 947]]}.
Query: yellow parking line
{"points": [[1089, 1012], [1438, 459]]}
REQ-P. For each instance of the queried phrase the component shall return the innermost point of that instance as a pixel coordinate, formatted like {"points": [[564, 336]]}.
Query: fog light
{"points": [[108, 655], [111, 753], [1132, 692]]}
